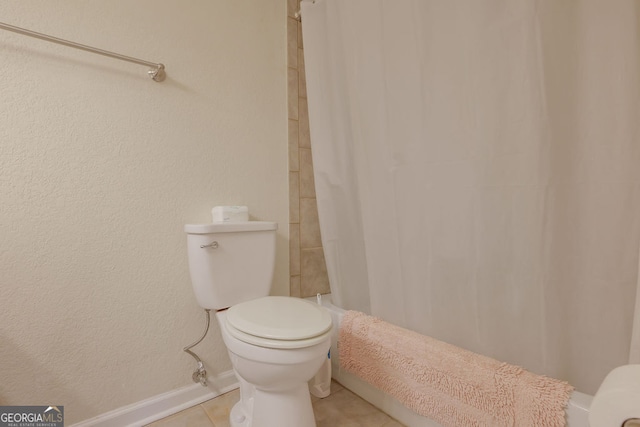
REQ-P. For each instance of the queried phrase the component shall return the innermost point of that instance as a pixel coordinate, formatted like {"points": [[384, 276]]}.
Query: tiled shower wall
{"points": [[307, 268]]}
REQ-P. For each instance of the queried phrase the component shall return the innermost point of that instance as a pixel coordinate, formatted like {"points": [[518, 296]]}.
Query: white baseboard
{"points": [[165, 404]]}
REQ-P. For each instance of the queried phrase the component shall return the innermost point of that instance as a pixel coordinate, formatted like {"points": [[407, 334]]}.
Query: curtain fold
{"points": [[477, 170]]}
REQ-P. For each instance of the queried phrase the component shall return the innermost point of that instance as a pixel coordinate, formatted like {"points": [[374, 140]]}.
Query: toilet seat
{"points": [[279, 322]]}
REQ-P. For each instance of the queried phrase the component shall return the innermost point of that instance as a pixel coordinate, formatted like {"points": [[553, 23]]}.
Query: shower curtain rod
{"points": [[156, 72]]}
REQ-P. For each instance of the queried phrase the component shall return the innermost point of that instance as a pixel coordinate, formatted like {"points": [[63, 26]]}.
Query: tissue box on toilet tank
{"points": [[230, 213]]}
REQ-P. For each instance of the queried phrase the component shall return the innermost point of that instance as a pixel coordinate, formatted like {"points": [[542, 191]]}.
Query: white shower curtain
{"points": [[477, 171]]}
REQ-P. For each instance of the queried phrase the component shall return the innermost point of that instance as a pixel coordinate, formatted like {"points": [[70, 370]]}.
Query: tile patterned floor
{"points": [[341, 409]]}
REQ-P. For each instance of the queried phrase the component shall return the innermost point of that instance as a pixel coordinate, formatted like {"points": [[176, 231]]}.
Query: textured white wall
{"points": [[100, 167]]}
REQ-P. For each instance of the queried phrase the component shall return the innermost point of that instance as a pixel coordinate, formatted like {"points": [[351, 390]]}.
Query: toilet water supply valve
{"points": [[200, 374]]}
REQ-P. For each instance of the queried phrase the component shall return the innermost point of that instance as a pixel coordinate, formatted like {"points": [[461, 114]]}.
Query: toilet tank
{"points": [[231, 262]]}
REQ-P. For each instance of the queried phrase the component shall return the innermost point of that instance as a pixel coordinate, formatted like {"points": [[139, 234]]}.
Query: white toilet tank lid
{"points": [[230, 227], [280, 318]]}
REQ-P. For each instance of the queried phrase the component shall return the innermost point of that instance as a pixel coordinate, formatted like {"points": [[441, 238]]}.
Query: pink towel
{"points": [[448, 384]]}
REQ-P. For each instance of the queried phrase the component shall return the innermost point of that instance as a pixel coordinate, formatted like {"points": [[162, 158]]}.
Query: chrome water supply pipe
{"points": [[200, 374]]}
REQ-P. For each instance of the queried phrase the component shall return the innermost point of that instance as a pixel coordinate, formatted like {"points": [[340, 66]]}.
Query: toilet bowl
{"points": [[274, 372], [276, 344]]}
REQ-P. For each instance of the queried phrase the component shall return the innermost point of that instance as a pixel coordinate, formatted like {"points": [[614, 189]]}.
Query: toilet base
{"points": [[282, 408], [238, 417]]}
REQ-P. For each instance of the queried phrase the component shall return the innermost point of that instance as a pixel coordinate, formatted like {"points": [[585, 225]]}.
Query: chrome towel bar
{"points": [[156, 72]]}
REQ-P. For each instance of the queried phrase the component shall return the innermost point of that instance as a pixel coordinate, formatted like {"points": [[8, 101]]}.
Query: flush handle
{"points": [[212, 245]]}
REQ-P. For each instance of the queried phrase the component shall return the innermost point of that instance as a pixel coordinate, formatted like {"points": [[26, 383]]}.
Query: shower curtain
{"points": [[477, 169]]}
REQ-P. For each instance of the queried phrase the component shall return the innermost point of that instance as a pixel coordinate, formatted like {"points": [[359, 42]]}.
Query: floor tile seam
{"points": [[201, 405]]}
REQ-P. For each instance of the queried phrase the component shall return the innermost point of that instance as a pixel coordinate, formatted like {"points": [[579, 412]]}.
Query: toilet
{"points": [[276, 344]]}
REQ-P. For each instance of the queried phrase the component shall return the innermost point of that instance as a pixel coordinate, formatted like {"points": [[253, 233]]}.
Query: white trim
{"points": [[165, 404]]}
